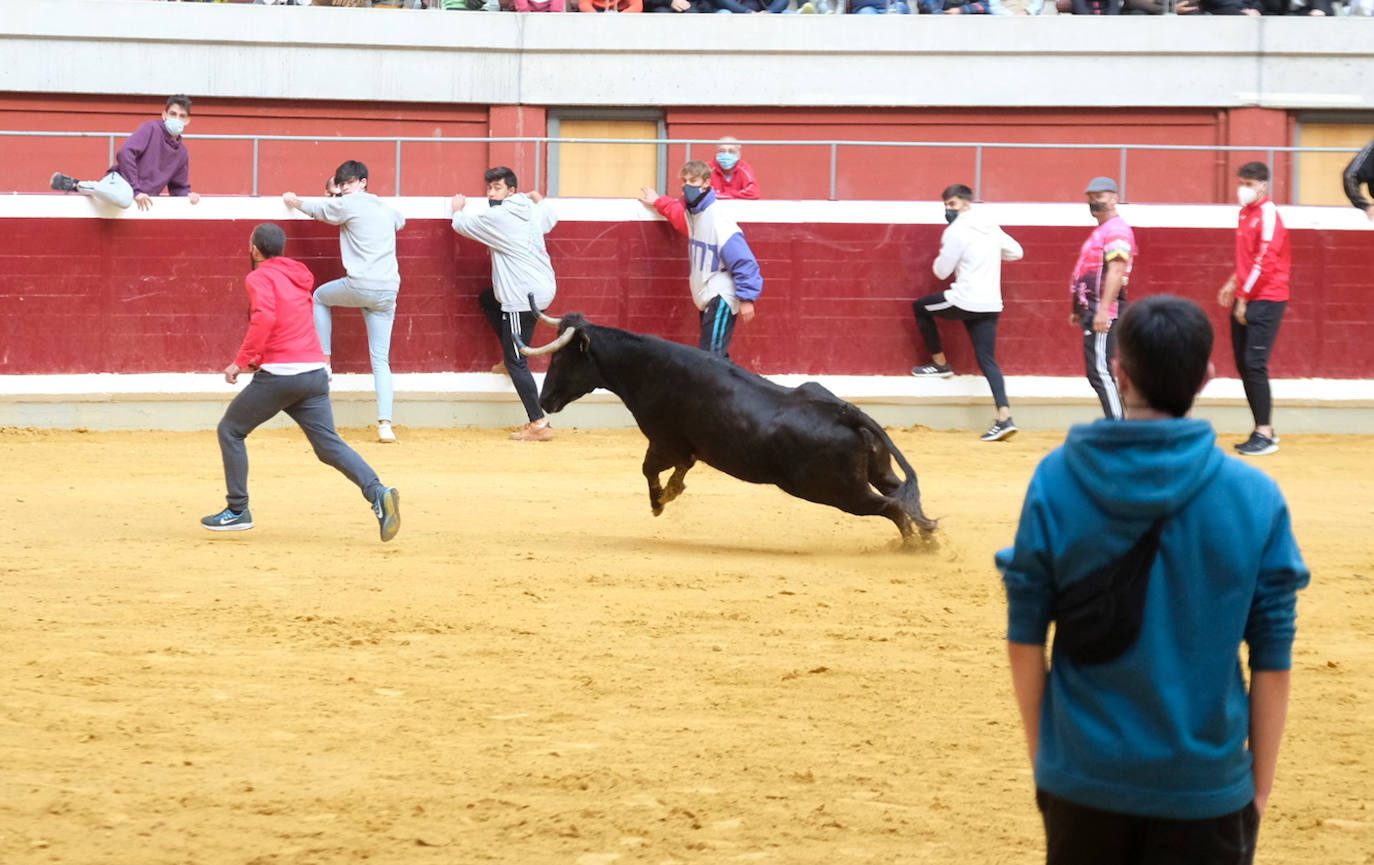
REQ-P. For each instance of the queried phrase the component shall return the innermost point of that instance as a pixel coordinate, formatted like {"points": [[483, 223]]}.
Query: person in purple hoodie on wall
{"points": [[153, 158]]}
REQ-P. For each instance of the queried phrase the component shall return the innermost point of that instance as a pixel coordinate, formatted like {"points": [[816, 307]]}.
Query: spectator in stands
{"points": [[1160, 7], [331, 188], [879, 7], [746, 7], [539, 5], [1094, 7], [610, 5], [1314, 8], [1359, 172], [731, 176], [367, 244], [973, 7], [673, 6], [151, 159], [725, 279], [819, 7], [513, 228]]}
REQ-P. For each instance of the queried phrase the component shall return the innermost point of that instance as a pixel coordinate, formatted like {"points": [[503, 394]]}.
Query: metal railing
{"points": [[979, 149]]}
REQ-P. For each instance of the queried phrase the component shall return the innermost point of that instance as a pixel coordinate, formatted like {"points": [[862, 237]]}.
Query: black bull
{"points": [[694, 406]]}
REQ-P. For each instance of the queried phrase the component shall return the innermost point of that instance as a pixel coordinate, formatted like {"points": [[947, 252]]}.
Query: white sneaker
{"points": [[385, 434]]}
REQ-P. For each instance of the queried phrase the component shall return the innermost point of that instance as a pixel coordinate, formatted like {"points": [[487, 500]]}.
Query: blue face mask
{"points": [[694, 194], [727, 161], [174, 125]]}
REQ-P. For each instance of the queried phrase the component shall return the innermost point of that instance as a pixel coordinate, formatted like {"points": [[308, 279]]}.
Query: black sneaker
{"points": [[1238, 445], [62, 183], [1000, 431], [943, 370], [228, 521], [387, 507], [1257, 446]]}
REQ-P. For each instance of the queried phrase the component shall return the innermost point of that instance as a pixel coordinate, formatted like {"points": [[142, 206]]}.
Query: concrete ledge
{"points": [[193, 401]]}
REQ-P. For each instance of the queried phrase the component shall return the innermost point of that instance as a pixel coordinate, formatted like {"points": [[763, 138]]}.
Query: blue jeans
{"points": [[379, 313]]}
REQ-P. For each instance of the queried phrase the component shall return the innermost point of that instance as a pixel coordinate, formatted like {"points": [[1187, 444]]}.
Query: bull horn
{"points": [[534, 308], [563, 339]]}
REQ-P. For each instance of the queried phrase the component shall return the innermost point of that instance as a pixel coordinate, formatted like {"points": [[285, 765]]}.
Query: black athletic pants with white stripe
{"points": [[1098, 351], [717, 327], [505, 324], [982, 332], [1251, 344]]}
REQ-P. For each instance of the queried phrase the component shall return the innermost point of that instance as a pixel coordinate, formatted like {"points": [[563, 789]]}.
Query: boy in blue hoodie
{"points": [[1160, 754]]}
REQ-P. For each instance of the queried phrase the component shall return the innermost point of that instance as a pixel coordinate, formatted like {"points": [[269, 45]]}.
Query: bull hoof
{"points": [[656, 509]]}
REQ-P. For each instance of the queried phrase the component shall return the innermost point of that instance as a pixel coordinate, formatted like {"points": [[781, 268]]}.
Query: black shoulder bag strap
{"points": [[1098, 617]]}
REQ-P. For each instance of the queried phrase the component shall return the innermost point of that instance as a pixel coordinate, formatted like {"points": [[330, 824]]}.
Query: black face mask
{"points": [[495, 202], [951, 215], [693, 194], [1096, 207]]}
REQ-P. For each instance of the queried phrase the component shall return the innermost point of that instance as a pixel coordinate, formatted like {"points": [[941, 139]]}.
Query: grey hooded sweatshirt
{"points": [[367, 237], [520, 264]]}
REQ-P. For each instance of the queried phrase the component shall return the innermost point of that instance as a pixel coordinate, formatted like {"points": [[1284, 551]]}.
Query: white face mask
{"points": [[174, 125], [1246, 195]]}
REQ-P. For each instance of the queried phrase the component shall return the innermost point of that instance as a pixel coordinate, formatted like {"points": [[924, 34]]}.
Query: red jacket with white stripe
{"points": [[1262, 256], [282, 324]]}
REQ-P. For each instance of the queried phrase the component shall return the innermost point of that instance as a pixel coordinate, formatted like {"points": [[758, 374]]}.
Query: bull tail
{"points": [[908, 493]]}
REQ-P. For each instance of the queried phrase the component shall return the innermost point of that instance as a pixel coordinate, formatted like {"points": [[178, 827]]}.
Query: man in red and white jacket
{"points": [[283, 352], [1257, 295]]}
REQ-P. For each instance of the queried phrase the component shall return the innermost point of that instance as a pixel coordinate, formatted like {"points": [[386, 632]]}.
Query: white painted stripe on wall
{"points": [[99, 387], [1051, 214]]}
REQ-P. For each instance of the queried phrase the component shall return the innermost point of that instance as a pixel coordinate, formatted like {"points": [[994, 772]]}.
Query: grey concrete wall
{"points": [[232, 50]]}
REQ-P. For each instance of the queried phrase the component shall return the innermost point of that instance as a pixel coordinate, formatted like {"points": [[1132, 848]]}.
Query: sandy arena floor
{"points": [[538, 671]]}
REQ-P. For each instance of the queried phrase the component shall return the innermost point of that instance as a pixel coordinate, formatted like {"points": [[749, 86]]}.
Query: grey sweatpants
{"points": [[305, 397]]}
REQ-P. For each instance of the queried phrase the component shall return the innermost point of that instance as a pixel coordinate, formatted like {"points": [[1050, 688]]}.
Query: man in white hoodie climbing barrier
{"points": [[972, 248], [513, 228]]}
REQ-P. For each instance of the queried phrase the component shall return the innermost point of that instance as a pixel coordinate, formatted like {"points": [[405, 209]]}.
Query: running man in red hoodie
{"points": [[283, 352]]}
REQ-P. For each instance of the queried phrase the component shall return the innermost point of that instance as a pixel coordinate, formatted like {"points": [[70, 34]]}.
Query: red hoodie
{"points": [[282, 327]]}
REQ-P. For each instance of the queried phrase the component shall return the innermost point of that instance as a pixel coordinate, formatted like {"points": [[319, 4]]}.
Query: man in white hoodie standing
{"points": [[972, 248], [513, 228]]}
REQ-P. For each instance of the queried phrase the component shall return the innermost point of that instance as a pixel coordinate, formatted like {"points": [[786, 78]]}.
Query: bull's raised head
{"points": [[572, 371]]}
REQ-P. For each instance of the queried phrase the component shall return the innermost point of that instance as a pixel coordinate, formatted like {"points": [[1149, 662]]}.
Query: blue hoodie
{"points": [[1160, 731]]}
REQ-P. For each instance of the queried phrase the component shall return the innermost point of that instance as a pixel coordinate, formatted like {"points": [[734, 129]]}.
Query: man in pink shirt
{"points": [[1257, 294], [1098, 288], [283, 352]]}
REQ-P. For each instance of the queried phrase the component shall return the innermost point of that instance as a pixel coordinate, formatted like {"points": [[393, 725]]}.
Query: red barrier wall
{"points": [[166, 295]]}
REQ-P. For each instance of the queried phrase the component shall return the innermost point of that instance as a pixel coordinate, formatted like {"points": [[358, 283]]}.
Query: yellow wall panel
{"points": [[607, 170], [1319, 174]]}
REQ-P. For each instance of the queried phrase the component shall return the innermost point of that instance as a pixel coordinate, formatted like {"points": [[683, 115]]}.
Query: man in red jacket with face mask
{"points": [[284, 355], [1257, 296]]}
